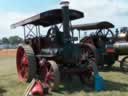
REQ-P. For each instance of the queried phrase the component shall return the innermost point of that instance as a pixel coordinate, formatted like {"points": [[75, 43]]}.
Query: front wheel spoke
{"points": [[50, 76]]}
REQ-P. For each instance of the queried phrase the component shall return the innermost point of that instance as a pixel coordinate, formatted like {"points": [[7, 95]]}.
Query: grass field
{"points": [[116, 82]]}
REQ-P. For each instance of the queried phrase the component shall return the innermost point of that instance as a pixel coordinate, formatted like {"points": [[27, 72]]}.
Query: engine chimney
{"points": [[65, 15]]}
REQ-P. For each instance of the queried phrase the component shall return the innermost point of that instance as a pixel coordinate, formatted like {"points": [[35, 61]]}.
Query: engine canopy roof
{"points": [[48, 18], [94, 26]]}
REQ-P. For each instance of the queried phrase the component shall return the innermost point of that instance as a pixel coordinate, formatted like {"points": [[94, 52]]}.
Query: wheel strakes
{"points": [[22, 65]]}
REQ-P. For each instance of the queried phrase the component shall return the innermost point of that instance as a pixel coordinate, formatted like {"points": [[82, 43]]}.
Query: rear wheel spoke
{"points": [[90, 58]]}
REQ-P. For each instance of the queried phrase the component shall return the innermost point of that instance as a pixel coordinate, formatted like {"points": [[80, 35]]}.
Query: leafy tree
{"points": [[1, 41], [5, 40], [15, 40]]}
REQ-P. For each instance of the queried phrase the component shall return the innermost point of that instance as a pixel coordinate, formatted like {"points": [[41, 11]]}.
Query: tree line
{"points": [[11, 40]]}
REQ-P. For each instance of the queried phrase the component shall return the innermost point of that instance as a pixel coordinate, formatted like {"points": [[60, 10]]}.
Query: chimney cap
{"points": [[64, 3]]}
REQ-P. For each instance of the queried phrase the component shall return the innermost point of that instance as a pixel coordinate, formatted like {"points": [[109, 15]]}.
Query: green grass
{"points": [[9, 85], [116, 83]]}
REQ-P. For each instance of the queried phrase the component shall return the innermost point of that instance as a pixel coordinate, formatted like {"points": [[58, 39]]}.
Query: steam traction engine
{"points": [[49, 57], [109, 46], [121, 47], [102, 37]]}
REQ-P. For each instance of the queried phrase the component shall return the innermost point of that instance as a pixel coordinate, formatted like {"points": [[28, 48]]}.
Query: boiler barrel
{"points": [[121, 48]]}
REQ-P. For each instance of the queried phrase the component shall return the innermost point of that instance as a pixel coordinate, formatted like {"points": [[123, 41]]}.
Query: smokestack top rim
{"points": [[64, 3]]}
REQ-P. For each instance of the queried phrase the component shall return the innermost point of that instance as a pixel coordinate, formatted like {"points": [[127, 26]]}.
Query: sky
{"points": [[11, 11]]}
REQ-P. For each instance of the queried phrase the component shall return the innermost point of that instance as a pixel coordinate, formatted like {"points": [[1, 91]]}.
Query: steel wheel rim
{"points": [[50, 75], [46, 73], [90, 57], [22, 64], [125, 64]]}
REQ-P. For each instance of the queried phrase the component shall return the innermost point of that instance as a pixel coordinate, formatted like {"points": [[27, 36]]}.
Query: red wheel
{"points": [[89, 59], [51, 75], [26, 63]]}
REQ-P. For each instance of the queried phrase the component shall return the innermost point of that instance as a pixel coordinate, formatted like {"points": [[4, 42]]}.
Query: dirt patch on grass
{"points": [[8, 53]]}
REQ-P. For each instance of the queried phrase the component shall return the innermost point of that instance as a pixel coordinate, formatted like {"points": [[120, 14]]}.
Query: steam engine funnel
{"points": [[66, 20], [64, 3]]}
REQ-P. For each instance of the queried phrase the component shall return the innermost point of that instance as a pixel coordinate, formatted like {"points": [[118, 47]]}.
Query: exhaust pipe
{"points": [[66, 20]]}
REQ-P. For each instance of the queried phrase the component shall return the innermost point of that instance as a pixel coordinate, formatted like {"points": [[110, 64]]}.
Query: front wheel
{"points": [[50, 74]]}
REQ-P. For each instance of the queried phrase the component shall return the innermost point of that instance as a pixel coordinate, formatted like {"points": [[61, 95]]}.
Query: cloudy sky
{"points": [[11, 11]]}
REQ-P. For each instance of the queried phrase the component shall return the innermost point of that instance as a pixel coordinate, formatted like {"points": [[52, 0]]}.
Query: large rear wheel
{"points": [[26, 63], [90, 59], [124, 64]]}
